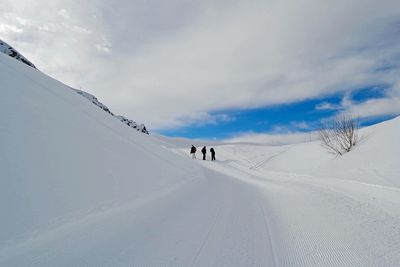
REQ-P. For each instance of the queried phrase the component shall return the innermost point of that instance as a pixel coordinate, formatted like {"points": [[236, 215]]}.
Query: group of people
{"points": [[203, 151]]}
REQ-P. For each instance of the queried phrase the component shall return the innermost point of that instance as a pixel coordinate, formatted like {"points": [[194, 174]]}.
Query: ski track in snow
{"points": [[323, 223], [223, 218], [320, 223], [268, 235]]}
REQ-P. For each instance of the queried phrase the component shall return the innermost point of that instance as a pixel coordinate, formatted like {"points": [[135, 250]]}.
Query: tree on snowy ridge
{"points": [[340, 135]]}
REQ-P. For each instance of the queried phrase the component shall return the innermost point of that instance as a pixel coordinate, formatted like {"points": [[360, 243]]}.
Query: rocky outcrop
{"points": [[134, 125], [8, 50], [139, 127]]}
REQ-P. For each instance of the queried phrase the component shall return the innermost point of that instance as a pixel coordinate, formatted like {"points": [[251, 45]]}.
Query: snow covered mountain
{"points": [[79, 188], [10, 51]]}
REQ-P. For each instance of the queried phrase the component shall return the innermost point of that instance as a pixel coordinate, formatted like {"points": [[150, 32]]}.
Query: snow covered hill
{"points": [[79, 188], [375, 160], [65, 163]]}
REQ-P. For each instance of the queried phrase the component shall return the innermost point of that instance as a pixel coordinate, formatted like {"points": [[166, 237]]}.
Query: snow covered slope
{"points": [[62, 159], [10, 51], [375, 160]]}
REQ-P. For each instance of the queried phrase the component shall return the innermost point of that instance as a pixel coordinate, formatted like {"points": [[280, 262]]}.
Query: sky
{"points": [[225, 70]]}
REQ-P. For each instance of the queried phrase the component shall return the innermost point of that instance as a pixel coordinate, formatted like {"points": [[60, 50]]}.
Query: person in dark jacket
{"points": [[204, 151], [193, 151], [212, 153]]}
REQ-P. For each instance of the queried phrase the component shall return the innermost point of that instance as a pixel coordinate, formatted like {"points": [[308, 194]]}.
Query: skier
{"points": [[193, 151], [204, 151], [212, 153]]}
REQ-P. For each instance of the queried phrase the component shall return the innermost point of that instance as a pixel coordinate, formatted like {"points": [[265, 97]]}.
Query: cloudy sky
{"points": [[218, 69]]}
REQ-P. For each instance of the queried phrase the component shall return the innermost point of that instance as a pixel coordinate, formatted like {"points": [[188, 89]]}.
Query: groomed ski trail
{"points": [[322, 222], [210, 220]]}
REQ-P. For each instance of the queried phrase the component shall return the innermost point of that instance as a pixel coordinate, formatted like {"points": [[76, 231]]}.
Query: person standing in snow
{"points": [[204, 151], [193, 151], [212, 153]]}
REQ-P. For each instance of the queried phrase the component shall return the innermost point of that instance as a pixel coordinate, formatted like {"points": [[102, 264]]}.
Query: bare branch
{"points": [[340, 135]]}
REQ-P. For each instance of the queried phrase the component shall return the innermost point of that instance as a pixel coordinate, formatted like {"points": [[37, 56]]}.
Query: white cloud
{"points": [[170, 62], [9, 28], [327, 106], [376, 107], [389, 105], [82, 30], [301, 125], [63, 13], [206, 118], [202, 119], [274, 139], [103, 47]]}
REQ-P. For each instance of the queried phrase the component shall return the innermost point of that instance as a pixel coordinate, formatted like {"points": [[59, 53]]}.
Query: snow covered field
{"points": [[78, 188]]}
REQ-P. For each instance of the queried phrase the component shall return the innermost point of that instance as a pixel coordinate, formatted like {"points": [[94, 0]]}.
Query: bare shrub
{"points": [[341, 134]]}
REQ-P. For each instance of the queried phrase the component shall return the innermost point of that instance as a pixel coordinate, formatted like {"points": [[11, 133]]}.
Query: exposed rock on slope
{"points": [[8, 50], [130, 123]]}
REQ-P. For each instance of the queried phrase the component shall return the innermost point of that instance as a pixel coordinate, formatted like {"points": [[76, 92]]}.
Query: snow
{"points": [[78, 188], [63, 159]]}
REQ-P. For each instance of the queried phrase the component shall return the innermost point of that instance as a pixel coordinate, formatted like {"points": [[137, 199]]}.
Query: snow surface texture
{"points": [[8, 50], [78, 188]]}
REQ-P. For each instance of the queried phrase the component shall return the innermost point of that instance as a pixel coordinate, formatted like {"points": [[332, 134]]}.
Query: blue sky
{"points": [[301, 116]]}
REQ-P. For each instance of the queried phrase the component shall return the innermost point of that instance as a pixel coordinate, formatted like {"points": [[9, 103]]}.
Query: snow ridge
{"points": [[139, 127], [131, 123], [8, 50]]}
